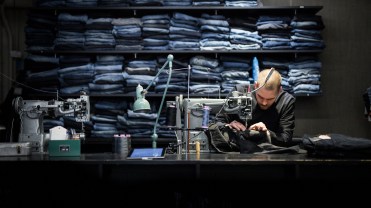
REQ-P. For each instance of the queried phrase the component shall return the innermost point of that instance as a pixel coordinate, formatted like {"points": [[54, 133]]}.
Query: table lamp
{"points": [[142, 105]]}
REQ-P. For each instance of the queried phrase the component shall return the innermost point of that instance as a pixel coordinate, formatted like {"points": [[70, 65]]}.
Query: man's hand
{"points": [[237, 125], [258, 127]]}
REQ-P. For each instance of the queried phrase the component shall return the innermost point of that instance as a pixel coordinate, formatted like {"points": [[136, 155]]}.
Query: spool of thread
{"points": [[205, 116], [198, 147], [171, 116], [121, 144]]}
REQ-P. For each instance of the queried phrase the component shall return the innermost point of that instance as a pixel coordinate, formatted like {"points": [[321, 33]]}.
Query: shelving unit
{"points": [[139, 11]]}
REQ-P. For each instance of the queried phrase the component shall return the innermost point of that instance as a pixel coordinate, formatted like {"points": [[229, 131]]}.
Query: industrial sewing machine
{"points": [[198, 112], [32, 113]]}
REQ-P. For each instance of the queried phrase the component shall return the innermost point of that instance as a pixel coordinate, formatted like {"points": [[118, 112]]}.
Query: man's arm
{"points": [[286, 124]]}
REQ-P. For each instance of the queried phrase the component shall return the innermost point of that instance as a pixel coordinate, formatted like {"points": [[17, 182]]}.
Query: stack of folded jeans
{"points": [[178, 82], [236, 71], [128, 33], [98, 34], [207, 2], [138, 125], [81, 3], [275, 31], [156, 32], [241, 3], [108, 67], [306, 32], [184, 32], [214, 32], [177, 2], [147, 3], [244, 34], [74, 79], [42, 72], [51, 3], [114, 3], [282, 66], [304, 75], [139, 71], [40, 31], [71, 29], [205, 76], [105, 122]]}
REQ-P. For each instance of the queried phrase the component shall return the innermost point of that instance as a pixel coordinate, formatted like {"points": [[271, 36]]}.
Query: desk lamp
{"points": [[142, 105]]}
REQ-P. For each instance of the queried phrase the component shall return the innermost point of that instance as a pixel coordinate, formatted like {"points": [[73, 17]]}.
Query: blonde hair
{"points": [[273, 82]]}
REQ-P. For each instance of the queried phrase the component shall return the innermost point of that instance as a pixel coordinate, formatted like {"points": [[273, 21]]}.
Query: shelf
{"points": [[258, 51], [158, 95], [262, 9]]}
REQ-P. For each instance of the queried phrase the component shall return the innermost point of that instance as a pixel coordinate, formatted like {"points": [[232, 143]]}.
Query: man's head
{"points": [[266, 95]]}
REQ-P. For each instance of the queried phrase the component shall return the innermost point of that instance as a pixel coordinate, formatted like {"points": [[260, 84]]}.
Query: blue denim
{"points": [[74, 89], [108, 78], [124, 120], [111, 105], [104, 119], [204, 61]]}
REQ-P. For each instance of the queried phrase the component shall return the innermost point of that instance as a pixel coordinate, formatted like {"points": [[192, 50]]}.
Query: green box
{"points": [[64, 147]]}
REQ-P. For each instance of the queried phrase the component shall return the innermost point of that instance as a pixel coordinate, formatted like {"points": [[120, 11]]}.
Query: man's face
{"points": [[265, 98]]}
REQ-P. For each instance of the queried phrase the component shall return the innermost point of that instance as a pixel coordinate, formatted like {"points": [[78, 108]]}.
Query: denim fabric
{"points": [[108, 78], [74, 89], [111, 105], [104, 119], [124, 120], [204, 61]]}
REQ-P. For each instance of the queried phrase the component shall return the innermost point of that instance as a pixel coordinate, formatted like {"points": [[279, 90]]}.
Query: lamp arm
{"points": [[154, 135], [158, 73]]}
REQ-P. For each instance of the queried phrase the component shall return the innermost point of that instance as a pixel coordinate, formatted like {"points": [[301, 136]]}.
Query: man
{"points": [[272, 110]]}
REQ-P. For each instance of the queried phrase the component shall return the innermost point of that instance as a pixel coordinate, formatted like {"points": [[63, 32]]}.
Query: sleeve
{"points": [[285, 132]]}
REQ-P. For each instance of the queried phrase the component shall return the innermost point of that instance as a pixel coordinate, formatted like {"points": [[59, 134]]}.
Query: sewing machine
{"points": [[193, 111], [32, 112]]}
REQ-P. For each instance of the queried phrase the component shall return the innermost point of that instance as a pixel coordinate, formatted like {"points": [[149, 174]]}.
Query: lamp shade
{"points": [[141, 104]]}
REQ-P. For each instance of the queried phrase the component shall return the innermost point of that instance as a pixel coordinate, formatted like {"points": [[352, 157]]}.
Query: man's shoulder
{"points": [[286, 97]]}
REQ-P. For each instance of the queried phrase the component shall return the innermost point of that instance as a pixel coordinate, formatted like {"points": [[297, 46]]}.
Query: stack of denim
{"points": [[108, 75], [76, 75], [241, 3], [304, 75], [242, 39], [236, 71], [42, 72], [156, 32], [184, 32], [128, 33], [71, 29], [205, 76], [105, 122], [147, 3], [207, 2], [51, 3], [178, 82], [114, 3], [40, 32], [139, 71], [81, 3], [275, 31], [282, 66], [177, 2], [98, 34], [306, 32], [215, 32], [138, 125]]}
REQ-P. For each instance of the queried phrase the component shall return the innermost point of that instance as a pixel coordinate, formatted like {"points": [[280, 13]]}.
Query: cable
{"points": [[265, 81], [21, 84]]}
